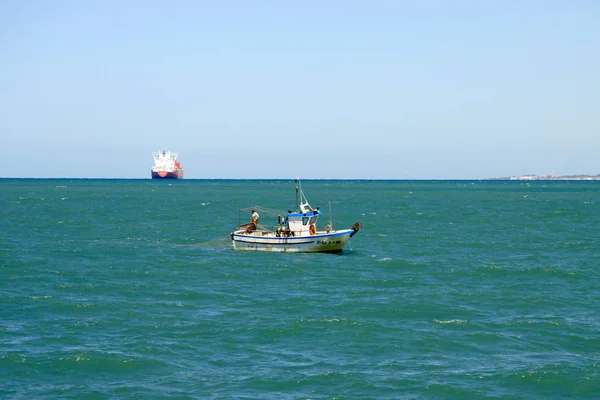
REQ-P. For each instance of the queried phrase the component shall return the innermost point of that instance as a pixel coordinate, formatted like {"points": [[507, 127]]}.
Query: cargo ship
{"points": [[166, 166]]}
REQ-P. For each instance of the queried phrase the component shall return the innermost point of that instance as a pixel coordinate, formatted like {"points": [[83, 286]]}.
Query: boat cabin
{"points": [[302, 223]]}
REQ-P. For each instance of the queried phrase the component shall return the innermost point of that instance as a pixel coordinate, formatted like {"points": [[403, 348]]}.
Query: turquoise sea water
{"points": [[129, 289]]}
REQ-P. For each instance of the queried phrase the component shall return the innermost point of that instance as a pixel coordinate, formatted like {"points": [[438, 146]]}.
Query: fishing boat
{"points": [[292, 231], [166, 165]]}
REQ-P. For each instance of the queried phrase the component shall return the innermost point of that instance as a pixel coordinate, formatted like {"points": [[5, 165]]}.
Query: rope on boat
{"points": [[265, 211]]}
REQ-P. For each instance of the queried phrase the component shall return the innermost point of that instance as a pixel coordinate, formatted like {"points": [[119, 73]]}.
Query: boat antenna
{"points": [[330, 218]]}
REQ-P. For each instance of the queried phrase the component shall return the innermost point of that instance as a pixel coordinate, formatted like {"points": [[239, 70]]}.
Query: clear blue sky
{"points": [[316, 89]]}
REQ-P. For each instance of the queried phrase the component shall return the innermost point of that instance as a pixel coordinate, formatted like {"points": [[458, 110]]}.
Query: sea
{"points": [[130, 289]]}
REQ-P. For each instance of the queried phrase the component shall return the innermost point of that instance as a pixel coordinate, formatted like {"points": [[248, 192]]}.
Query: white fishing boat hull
{"points": [[321, 242], [295, 232]]}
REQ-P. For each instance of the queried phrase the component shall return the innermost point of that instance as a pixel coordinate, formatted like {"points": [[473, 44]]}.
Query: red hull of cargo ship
{"points": [[167, 175]]}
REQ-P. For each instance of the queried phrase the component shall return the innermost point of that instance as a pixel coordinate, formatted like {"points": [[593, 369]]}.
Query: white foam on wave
{"points": [[450, 321]]}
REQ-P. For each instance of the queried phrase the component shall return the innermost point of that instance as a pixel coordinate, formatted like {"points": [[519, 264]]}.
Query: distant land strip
{"points": [[550, 177]]}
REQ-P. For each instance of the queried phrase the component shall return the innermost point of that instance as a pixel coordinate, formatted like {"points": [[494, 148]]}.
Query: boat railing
{"points": [[261, 230]]}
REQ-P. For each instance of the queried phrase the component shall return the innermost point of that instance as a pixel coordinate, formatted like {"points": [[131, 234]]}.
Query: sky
{"points": [[334, 89]]}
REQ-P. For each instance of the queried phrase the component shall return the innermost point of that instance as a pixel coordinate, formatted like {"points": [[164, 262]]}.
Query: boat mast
{"points": [[297, 195]]}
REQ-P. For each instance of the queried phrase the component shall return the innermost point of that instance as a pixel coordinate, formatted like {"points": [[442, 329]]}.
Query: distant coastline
{"points": [[550, 177]]}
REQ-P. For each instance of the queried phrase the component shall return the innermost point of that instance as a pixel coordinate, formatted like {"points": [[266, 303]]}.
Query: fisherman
{"points": [[255, 217]]}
